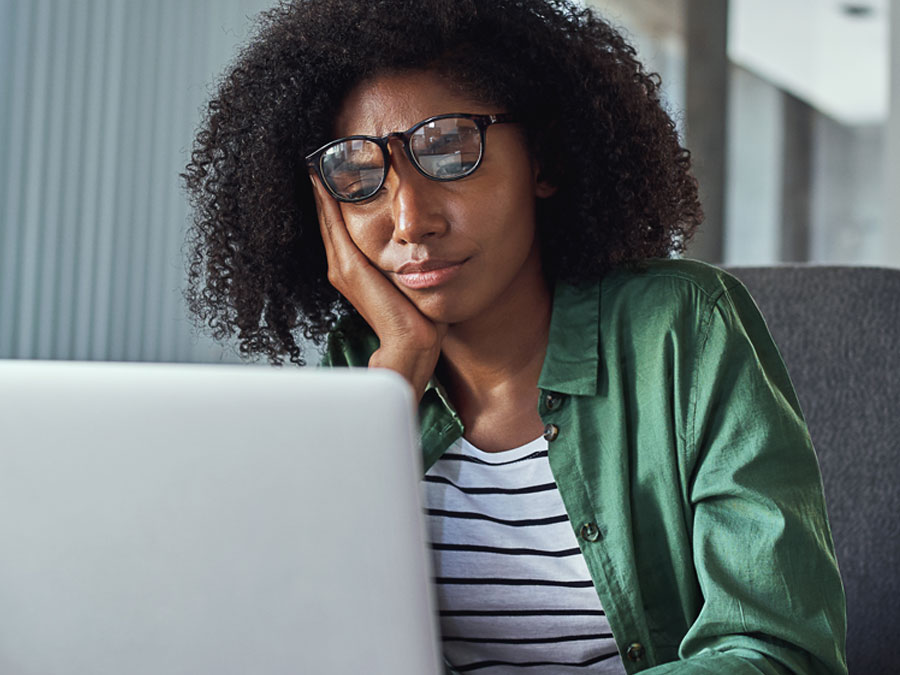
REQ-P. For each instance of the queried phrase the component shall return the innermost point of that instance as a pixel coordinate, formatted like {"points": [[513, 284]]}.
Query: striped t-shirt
{"points": [[513, 590]]}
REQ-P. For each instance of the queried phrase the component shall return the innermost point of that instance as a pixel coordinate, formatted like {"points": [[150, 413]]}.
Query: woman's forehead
{"points": [[395, 102]]}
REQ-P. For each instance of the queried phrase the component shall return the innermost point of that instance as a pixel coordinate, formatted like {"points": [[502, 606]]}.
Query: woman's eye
{"points": [[357, 190], [356, 181], [355, 194], [445, 169], [362, 191], [447, 166]]}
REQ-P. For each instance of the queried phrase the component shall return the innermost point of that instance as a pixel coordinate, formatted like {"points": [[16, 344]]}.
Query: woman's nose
{"points": [[416, 204]]}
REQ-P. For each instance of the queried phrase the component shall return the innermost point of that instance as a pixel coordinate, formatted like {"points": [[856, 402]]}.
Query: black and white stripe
{"points": [[514, 593]]}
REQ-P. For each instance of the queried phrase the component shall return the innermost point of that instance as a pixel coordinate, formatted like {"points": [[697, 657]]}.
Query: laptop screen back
{"points": [[210, 519]]}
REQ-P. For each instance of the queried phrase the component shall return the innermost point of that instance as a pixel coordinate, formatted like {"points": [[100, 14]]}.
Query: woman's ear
{"points": [[542, 187], [544, 184]]}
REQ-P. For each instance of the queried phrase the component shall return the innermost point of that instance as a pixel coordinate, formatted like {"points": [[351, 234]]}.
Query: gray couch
{"points": [[838, 329]]}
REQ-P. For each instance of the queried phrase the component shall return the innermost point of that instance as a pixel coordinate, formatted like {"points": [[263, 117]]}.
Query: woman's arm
{"points": [[762, 549]]}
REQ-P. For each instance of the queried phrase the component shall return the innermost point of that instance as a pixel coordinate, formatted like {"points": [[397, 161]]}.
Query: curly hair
{"points": [[591, 113]]}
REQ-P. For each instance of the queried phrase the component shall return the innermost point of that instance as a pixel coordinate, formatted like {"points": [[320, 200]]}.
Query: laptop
{"points": [[191, 519]]}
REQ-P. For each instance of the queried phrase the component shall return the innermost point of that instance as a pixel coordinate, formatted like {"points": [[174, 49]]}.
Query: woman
{"points": [[484, 196]]}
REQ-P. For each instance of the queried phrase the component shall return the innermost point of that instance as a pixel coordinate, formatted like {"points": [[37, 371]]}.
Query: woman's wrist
{"points": [[416, 366]]}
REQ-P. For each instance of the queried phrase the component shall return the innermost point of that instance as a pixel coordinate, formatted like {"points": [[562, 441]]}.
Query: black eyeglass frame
{"points": [[482, 122]]}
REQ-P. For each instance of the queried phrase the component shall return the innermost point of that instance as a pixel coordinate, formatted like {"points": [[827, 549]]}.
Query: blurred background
{"points": [[788, 107]]}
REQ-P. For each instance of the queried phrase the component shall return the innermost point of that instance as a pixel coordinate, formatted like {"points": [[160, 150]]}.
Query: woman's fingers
{"points": [[331, 224], [350, 272], [410, 342]]}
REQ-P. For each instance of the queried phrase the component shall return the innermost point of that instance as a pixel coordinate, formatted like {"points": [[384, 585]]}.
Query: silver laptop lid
{"points": [[210, 519]]}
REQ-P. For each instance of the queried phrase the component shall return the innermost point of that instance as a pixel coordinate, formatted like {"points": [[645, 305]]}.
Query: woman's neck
{"points": [[490, 366]]}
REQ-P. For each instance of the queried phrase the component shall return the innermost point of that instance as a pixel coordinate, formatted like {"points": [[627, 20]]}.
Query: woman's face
{"points": [[456, 249]]}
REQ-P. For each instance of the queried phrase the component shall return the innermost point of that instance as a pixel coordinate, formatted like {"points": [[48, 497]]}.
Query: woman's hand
{"points": [[410, 342]]}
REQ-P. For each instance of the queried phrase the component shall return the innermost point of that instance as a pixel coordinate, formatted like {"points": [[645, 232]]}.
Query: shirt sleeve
{"points": [[773, 601], [349, 345]]}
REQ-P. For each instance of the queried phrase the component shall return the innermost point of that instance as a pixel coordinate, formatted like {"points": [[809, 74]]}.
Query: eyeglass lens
{"points": [[444, 149], [353, 169]]}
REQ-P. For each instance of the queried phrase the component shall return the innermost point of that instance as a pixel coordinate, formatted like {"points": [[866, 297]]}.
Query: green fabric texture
{"points": [[682, 444]]}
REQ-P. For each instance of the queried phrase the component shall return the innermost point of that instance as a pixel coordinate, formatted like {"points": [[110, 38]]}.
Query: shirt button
{"points": [[635, 651], [553, 401], [590, 532], [551, 431]]}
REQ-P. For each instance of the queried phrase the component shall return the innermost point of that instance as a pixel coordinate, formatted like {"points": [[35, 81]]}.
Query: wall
{"points": [[98, 103]]}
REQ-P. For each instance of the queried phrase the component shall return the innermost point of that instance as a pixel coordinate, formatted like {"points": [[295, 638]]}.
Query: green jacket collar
{"points": [[571, 365]]}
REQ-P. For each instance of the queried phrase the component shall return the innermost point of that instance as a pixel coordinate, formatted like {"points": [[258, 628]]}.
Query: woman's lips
{"points": [[427, 273]]}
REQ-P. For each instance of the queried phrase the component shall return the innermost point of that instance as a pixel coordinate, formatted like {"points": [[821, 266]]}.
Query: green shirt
{"points": [[687, 472]]}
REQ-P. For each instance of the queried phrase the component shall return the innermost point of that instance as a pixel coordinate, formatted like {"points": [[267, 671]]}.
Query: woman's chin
{"points": [[440, 309]]}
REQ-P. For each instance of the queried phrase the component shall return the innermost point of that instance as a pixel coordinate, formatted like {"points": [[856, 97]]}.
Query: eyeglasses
{"points": [[443, 148]]}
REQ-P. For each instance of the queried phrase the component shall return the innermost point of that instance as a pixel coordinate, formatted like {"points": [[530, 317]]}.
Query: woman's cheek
{"points": [[361, 235], [368, 228]]}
